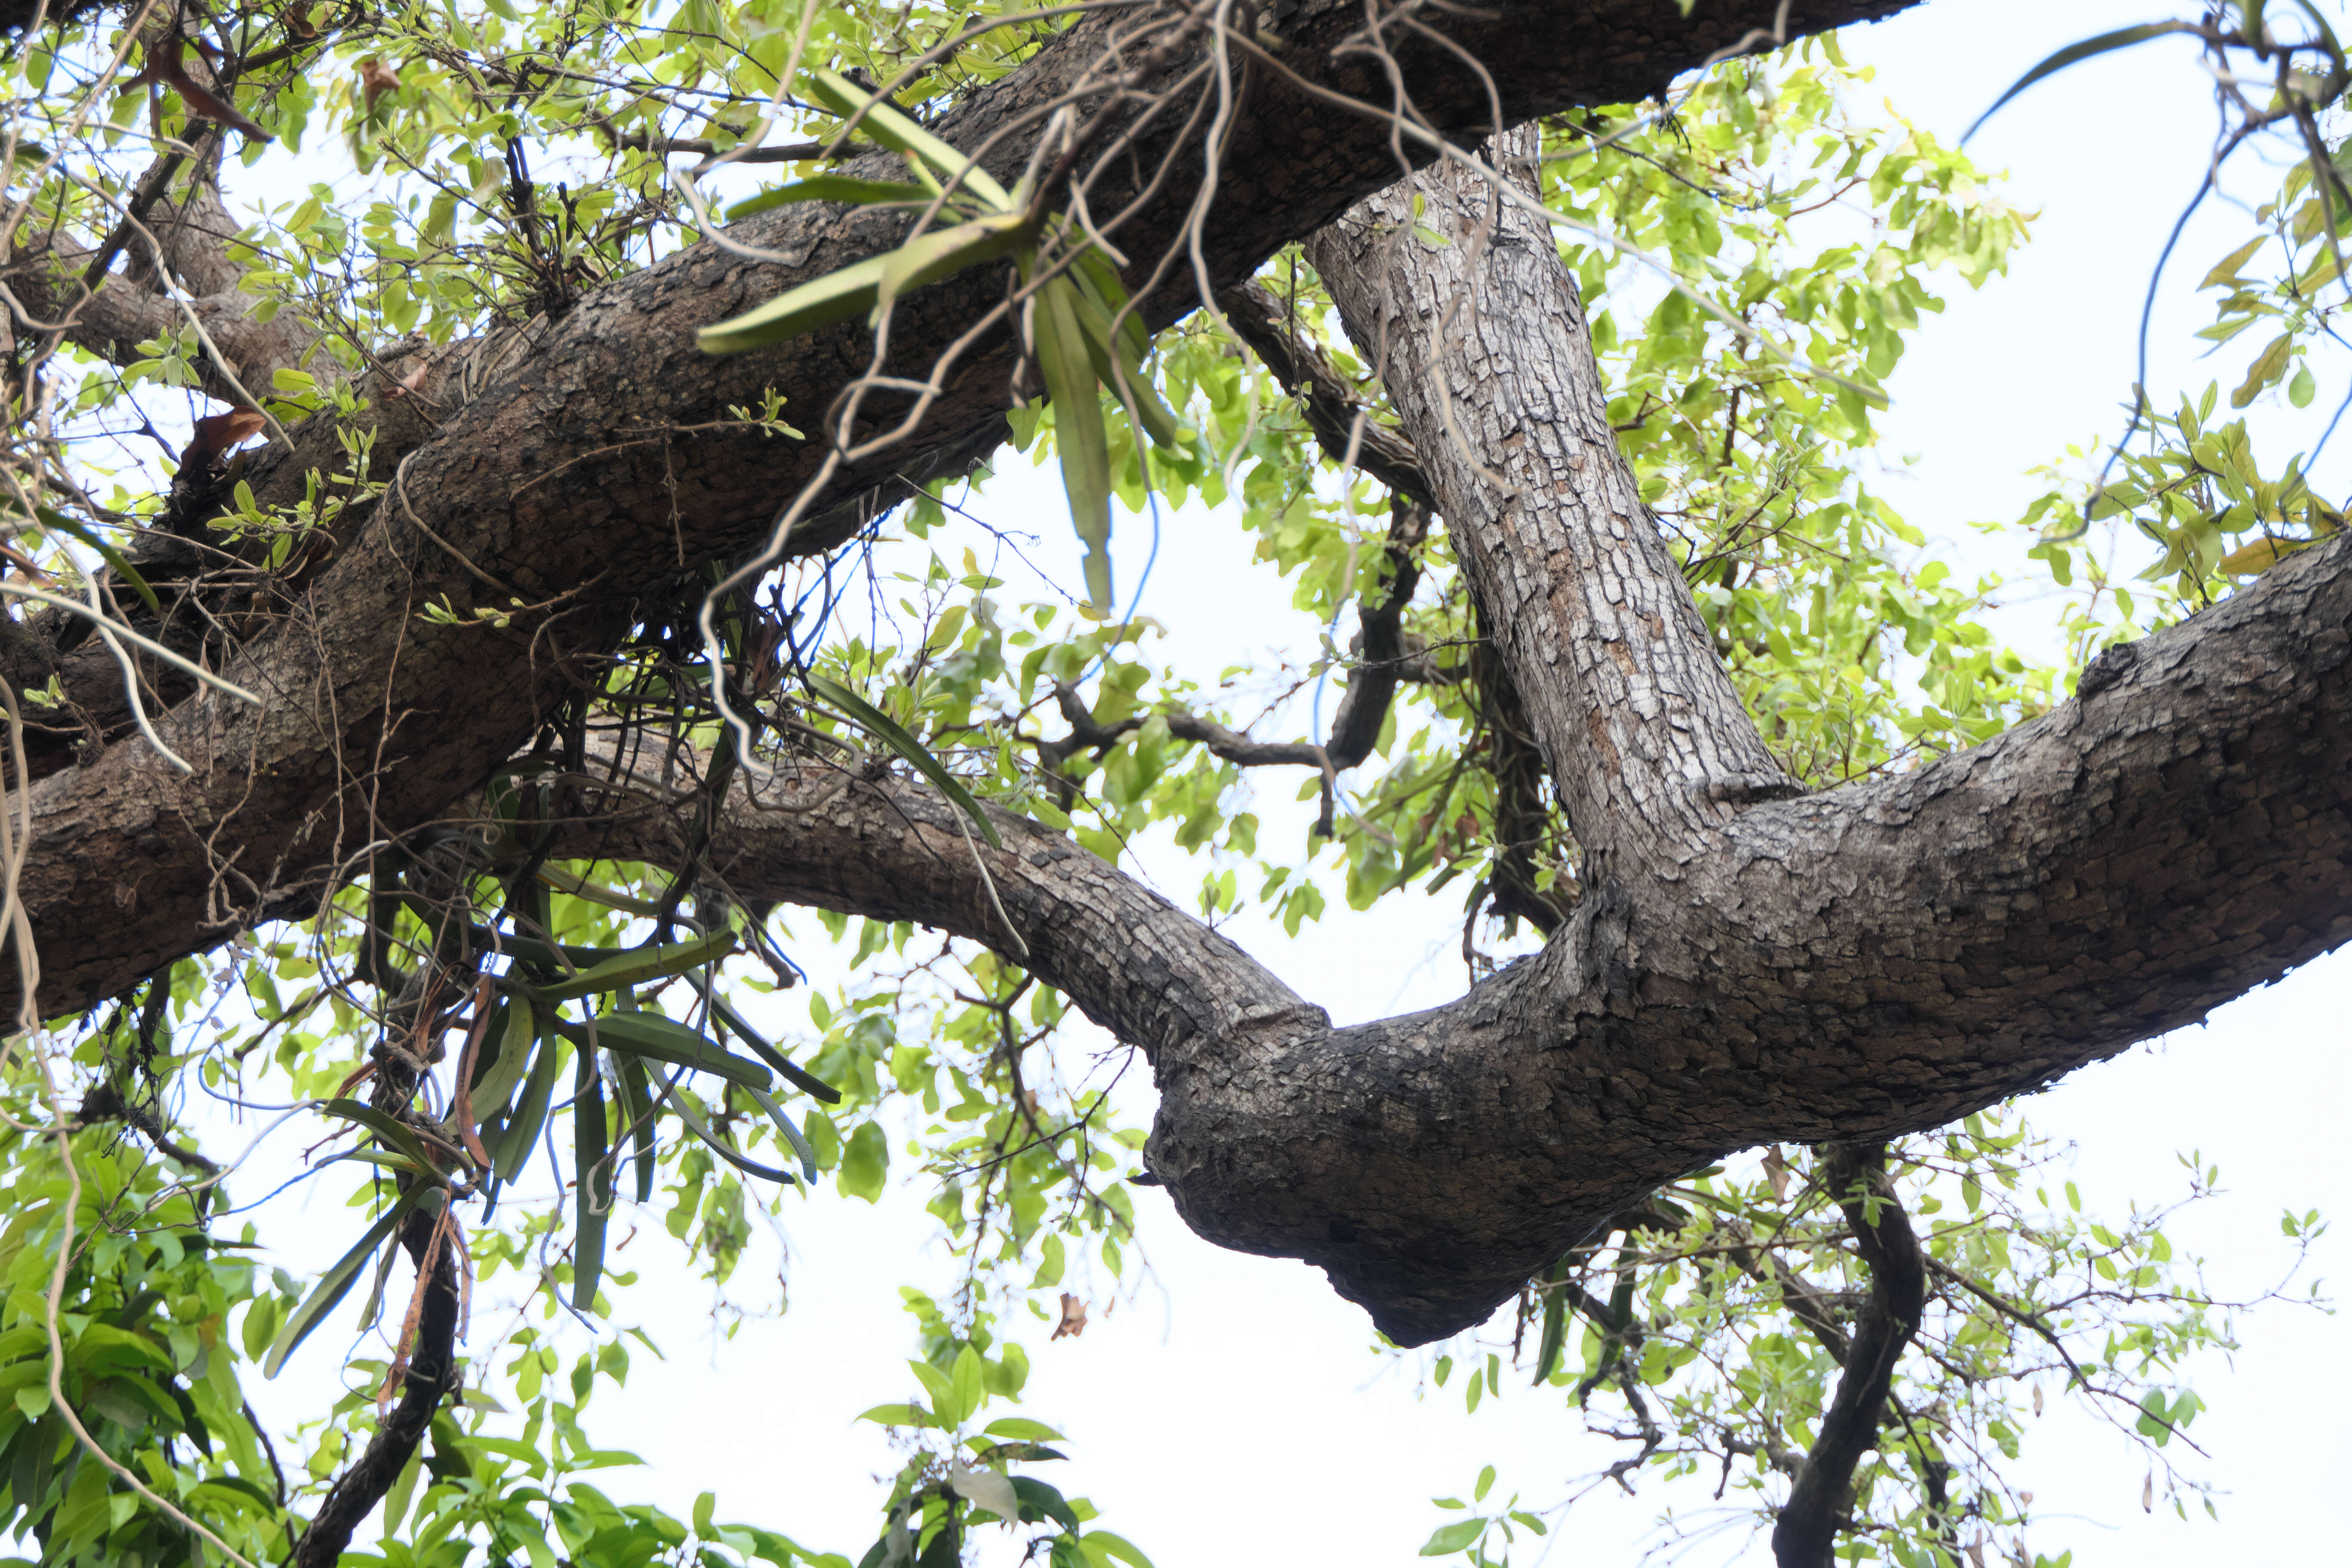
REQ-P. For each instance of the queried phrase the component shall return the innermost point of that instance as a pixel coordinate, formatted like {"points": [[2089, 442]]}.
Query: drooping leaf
{"points": [[1078, 432], [337, 1281], [668, 1040], [723, 1149], [52, 518], [735, 1025], [530, 1110], [592, 1178], [792, 1132], [2072, 53], [395, 1132], [637, 1116]]}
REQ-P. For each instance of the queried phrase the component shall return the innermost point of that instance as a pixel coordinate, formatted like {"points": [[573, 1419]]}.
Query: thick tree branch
{"points": [[1856, 963], [583, 461]]}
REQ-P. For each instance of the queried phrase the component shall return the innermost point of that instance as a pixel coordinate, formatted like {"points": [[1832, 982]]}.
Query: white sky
{"points": [[1233, 1411]]}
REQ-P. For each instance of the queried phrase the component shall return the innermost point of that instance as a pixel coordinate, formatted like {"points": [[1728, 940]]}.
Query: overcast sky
{"points": [[1233, 1411]]}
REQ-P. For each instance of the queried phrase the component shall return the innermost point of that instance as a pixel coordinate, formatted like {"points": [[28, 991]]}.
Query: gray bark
{"points": [[1740, 969], [1850, 965], [587, 463]]}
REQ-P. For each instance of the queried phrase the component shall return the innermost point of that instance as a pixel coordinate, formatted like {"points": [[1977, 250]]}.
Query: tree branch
{"points": [[1823, 1495], [585, 460]]}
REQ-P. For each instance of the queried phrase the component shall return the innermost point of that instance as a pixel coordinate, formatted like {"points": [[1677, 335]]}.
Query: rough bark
{"points": [[1850, 965], [592, 460], [1738, 969]]}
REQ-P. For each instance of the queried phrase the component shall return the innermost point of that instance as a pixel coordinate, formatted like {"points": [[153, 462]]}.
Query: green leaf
{"points": [[792, 1132], [1039, 1500], [831, 188], [668, 1040], [885, 730], [865, 1163], [820, 302], [592, 1183], [509, 1036], [887, 124], [637, 1114], [928, 258], [723, 1149], [2268, 366], [530, 1111], [395, 1132], [1022, 1428], [1102, 1545], [114, 558], [767, 1053], [2072, 53], [337, 1281], [1069, 373], [638, 966], [1453, 1538], [970, 1388], [898, 1415]]}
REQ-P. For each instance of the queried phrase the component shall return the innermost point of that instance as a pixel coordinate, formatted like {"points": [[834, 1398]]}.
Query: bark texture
{"points": [[580, 464], [1743, 967], [1842, 966]]}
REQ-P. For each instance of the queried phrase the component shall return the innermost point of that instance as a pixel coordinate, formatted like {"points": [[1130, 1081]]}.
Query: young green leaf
{"points": [[592, 1183]]}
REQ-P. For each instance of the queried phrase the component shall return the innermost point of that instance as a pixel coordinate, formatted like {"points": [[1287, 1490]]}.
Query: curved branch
{"points": [[586, 460]]}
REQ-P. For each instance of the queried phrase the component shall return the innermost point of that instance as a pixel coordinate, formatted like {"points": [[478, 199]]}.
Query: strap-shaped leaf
{"points": [[895, 130], [1160, 422], [819, 302], [928, 258], [395, 1132], [767, 1053], [637, 1113], [832, 188], [2072, 53], [563, 881], [640, 964], [1099, 281], [668, 1040], [337, 1281], [887, 730], [592, 1184], [1554, 1321], [506, 1049], [1078, 432], [723, 1149], [785, 1126], [52, 518], [530, 1110]]}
